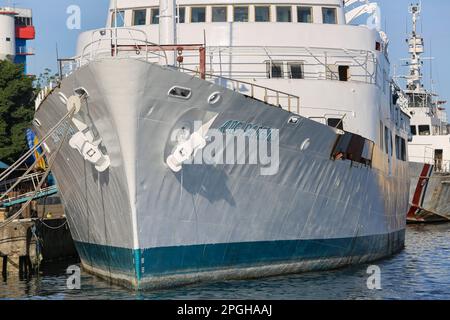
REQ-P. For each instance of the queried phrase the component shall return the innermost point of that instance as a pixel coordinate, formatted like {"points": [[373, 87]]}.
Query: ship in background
{"points": [[141, 215], [429, 148]]}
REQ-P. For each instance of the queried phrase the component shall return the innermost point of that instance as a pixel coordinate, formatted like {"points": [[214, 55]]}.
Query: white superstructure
{"points": [[315, 47]]}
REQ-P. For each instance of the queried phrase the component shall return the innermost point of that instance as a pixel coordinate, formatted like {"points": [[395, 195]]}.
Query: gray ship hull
{"points": [[141, 224]]}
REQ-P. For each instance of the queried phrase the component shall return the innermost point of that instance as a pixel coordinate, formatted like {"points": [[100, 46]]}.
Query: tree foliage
{"points": [[16, 110]]}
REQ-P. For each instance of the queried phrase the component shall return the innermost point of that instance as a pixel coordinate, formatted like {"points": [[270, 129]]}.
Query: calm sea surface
{"points": [[421, 271]]}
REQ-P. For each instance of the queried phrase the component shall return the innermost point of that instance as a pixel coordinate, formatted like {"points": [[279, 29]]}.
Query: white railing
{"points": [[245, 62], [119, 42], [238, 62], [442, 166], [25, 51], [270, 96]]}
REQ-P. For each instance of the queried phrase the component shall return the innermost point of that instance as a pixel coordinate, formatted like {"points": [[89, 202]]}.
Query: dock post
{"points": [[4, 267]]}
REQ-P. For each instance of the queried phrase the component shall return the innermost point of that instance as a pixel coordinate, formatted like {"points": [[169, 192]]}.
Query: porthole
{"points": [[214, 98], [180, 92], [294, 120], [81, 92]]}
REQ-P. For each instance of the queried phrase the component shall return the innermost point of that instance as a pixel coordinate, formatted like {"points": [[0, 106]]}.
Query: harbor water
{"points": [[421, 271]]}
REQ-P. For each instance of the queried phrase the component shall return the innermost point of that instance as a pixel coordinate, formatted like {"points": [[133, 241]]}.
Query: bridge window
{"points": [[23, 21], [262, 13], [284, 14], [414, 130], [120, 19], [295, 70], [424, 130], [400, 147], [240, 14], [274, 69], [181, 14], [329, 15], [154, 16], [139, 17], [198, 14], [219, 14], [304, 14]]}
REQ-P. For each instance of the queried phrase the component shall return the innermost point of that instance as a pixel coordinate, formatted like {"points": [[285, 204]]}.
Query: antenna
{"points": [[59, 62]]}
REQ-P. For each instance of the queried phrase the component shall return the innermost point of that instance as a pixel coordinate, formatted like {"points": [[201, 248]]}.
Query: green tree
{"points": [[45, 78], [16, 110]]}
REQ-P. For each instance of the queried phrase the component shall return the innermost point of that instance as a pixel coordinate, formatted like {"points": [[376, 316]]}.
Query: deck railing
{"points": [[270, 96], [238, 67]]}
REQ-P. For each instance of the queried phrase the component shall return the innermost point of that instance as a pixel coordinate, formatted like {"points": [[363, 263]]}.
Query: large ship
{"points": [[429, 148], [145, 95]]}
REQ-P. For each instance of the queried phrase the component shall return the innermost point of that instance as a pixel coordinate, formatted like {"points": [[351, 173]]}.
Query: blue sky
{"points": [[50, 20]]}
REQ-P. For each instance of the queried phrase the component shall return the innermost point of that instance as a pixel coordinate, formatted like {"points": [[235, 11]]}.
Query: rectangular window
{"points": [[329, 15], [284, 14], [120, 19], [8, 39], [274, 69], [386, 140], [424, 130], [240, 14], [295, 70], [304, 14], [139, 17], [336, 123], [414, 130], [219, 14], [262, 14], [344, 73], [154, 16], [381, 135], [198, 14], [181, 14], [398, 147], [403, 149]]}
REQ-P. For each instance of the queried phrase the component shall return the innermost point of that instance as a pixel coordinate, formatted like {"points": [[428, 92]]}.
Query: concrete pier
{"points": [[27, 242], [18, 249]]}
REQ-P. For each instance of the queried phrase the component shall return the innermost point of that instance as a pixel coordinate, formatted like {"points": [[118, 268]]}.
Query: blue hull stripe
{"points": [[195, 258]]}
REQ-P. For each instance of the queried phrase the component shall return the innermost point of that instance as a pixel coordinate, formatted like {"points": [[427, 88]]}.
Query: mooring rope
{"points": [[47, 171], [25, 157]]}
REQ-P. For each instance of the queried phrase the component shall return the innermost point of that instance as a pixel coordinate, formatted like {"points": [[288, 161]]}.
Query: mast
{"points": [[416, 49], [168, 26]]}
